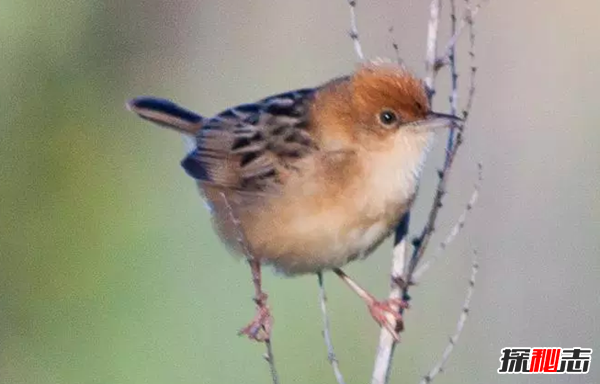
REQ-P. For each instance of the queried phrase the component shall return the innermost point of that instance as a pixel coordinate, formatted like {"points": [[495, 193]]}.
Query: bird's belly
{"points": [[316, 226], [305, 241]]}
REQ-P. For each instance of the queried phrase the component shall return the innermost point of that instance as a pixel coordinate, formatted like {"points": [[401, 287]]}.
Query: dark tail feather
{"points": [[167, 114], [194, 167]]}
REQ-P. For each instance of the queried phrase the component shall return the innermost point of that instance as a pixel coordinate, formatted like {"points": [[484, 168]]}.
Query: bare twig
{"points": [[460, 223], [431, 54], [241, 239], [473, 72], [420, 242], [387, 343], [354, 30], [269, 357], [403, 280], [454, 79], [327, 332], [467, 19], [395, 47], [400, 261], [240, 236], [464, 314]]}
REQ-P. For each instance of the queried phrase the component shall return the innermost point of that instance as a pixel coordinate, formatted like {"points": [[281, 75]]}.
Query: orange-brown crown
{"points": [[350, 107], [377, 86]]}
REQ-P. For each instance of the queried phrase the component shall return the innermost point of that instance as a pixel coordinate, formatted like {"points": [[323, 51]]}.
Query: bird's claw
{"points": [[259, 329], [380, 310]]}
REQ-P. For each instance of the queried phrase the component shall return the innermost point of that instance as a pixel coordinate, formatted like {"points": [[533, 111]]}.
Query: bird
{"points": [[309, 180]]}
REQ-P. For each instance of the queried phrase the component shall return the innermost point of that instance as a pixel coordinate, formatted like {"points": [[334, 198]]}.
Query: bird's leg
{"points": [[259, 328], [386, 313]]}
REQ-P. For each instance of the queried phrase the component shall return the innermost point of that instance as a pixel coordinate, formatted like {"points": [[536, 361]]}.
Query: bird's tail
{"points": [[167, 114]]}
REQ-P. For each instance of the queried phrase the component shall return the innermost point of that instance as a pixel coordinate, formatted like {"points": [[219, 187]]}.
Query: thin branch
{"points": [[400, 264], [395, 47], [454, 79], [327, 332], [431, 54], [241, 239], [473, 72], [269, 357], [467, 19], [387, 343], [460, 223], [240, 236], [354, 30], [403, 279], [420, 242], [464, 314]]}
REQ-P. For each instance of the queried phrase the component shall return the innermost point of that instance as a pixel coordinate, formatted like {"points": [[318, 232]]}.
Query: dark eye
{"points": [[387, 117]]}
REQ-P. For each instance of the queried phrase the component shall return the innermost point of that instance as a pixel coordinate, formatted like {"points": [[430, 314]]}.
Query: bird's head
{"points": [[381, 105]]}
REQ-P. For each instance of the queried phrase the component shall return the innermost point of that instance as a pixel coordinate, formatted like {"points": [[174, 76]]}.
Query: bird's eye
{"points": [[387, 117]]}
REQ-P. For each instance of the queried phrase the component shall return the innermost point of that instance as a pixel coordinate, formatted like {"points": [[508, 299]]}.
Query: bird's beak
{"points": [[435, 120]]}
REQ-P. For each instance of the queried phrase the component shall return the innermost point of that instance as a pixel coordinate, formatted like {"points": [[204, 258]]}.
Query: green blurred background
{"points": [[110, 271]]}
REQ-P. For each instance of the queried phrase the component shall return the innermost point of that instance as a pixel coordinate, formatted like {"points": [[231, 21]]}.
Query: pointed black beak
{"points": [[435, 120], [437, 115]]}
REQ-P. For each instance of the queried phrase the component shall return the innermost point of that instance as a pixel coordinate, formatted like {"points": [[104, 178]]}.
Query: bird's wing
{"points": [[253, 147]]}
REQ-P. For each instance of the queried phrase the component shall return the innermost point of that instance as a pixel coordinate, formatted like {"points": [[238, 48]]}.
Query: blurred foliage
{"points": [[100, 279]]}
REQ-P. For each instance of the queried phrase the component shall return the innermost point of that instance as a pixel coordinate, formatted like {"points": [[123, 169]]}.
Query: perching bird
{"points": [[309, 180]]}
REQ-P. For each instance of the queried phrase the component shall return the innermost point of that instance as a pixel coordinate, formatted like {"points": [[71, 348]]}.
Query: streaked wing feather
{"points": [[248, 147]]}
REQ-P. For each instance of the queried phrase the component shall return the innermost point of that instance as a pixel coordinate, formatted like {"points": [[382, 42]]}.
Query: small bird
{"points": [[310, 180]]}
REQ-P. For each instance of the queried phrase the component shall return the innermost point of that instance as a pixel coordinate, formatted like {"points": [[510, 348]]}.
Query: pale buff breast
{"points": [[319, 225], [326, 218]]}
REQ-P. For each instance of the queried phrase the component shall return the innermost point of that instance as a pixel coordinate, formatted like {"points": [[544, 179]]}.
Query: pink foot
{"points": [[380, 311], [259, 328]]}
